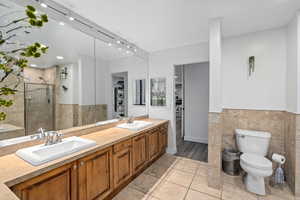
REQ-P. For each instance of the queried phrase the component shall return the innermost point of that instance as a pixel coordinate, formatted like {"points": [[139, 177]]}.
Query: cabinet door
{"points": [[59, 184], [153, 138], [163, 138], [139, 151], [95, 175], [122, 166]]}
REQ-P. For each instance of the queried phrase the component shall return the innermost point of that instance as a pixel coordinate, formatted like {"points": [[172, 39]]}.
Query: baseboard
{"points": [[193, 139], [171, 151]]}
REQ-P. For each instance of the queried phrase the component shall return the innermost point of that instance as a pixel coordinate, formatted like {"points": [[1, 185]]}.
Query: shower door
{"points": [[39, 107]]}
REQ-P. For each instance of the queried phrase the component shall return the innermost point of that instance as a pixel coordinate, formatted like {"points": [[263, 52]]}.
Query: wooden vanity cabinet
{"points": [[139, 152], [58, 184], [122, 162], [99, 175], [95, 175], [153, 143]]}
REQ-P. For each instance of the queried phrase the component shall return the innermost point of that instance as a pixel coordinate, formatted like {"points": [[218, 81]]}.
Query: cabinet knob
{"points": [[81, 163]]}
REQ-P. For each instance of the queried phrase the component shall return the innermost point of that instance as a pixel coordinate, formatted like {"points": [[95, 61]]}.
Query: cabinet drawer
{"points": [[122, 145]]}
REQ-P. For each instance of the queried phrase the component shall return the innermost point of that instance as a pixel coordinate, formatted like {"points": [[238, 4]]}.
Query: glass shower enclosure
{"points": [[39, 107]]}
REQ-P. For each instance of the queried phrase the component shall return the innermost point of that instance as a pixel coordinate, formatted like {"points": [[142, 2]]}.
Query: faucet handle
{"points": [[42, 132], [59, 137], [49, 138]]}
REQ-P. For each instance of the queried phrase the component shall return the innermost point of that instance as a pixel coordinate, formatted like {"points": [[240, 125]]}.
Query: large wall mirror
{"points": [[80, 80]]}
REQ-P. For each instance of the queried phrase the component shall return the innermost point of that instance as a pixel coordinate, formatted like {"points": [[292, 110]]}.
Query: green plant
{"points": [[13, 62]]}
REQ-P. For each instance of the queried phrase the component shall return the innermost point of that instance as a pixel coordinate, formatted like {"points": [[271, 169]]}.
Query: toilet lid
{"points": [[255, 161]]}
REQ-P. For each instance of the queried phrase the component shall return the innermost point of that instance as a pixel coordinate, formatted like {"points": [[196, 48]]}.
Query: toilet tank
{"points": [[256, 142]]}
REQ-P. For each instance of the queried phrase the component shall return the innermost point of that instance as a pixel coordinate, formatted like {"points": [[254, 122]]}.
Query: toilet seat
{"points": [[258, 162]]}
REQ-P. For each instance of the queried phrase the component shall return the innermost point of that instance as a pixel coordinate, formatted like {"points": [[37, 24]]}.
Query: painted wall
{"points": [[137, 68], [266, 88], [196, 102], [101, 81], [293, 60], [161, 64], [215, 64], [92, 81], [86, 80]]}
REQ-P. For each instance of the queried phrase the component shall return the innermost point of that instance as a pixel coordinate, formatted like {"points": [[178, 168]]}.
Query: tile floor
{"points": [[177, 178]]}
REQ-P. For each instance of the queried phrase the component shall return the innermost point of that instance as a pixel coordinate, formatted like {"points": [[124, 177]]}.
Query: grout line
{"points": [[189, 188], [163, 178]]}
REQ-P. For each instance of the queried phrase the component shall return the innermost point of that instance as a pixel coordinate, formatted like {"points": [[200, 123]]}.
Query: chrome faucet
{"points": [[41, 134], [51, 137]]}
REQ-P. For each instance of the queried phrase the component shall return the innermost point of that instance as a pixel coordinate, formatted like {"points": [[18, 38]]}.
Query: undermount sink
{"points": [[135, 125], [40, 154]]}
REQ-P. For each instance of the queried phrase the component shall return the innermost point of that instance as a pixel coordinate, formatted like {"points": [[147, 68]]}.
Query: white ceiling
{"points": [[162, 24]]}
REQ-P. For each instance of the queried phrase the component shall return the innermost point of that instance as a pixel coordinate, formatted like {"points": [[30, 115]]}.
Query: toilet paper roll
{"points": [[278, 158]]}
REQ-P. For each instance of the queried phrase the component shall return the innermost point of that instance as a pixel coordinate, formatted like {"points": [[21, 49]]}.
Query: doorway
{"points": [[191, 107], [120, 96]]}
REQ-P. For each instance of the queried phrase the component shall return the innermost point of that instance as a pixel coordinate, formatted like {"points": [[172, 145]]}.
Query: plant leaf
{"points": [[44, 18], [31, 8], [30, 14], [32, 22]]}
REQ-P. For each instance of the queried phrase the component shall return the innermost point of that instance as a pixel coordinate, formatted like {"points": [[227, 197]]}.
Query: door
{"points": [[39, 105], [95, 175], [153, 143], [59, 184], [139, 152], [196, 102], [122, 166]]}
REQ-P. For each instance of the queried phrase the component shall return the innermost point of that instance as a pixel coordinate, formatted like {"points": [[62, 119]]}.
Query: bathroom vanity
{"points": [[98, 172]]}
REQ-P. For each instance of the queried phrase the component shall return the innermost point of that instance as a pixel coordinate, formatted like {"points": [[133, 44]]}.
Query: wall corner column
{"points": [[215, 105]]}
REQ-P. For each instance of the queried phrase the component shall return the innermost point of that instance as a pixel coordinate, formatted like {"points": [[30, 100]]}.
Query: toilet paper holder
{"points": [[279, 177], [278, 158]]}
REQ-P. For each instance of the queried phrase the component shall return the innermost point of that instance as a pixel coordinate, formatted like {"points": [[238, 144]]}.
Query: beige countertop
{"points": [[14, 170], [9, 127]]}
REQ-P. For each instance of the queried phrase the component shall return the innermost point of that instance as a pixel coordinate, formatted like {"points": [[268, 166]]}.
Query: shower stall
{"points": [[39, 107]]}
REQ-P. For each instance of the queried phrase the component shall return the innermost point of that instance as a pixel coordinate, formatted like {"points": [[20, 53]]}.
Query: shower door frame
{"points": [[25, 105]]}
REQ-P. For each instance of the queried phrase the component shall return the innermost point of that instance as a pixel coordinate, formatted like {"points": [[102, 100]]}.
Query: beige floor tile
{"points": [[278, 194], [144, 183], [152, 198], [202, 170], [167, 160], [199, 163], [186, 166], [236, 192], [235, 180], [180, 177], [200, 184], [195, 195], [157, 171], [169, 191], [130, 194]]}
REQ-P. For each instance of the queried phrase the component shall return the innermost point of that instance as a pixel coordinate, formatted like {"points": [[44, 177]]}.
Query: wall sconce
{"points": [[65, 88], [251, 65], [64, 73]]}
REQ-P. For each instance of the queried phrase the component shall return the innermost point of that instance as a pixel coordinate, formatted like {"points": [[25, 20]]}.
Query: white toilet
{"points": [[254, 146]]}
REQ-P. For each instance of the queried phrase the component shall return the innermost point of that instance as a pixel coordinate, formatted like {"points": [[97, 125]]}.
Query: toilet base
{"points": [[255, 184]]}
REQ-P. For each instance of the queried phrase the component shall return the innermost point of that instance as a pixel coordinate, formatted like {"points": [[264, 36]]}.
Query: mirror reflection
{"points": [[79, 80], [139, 92]]}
